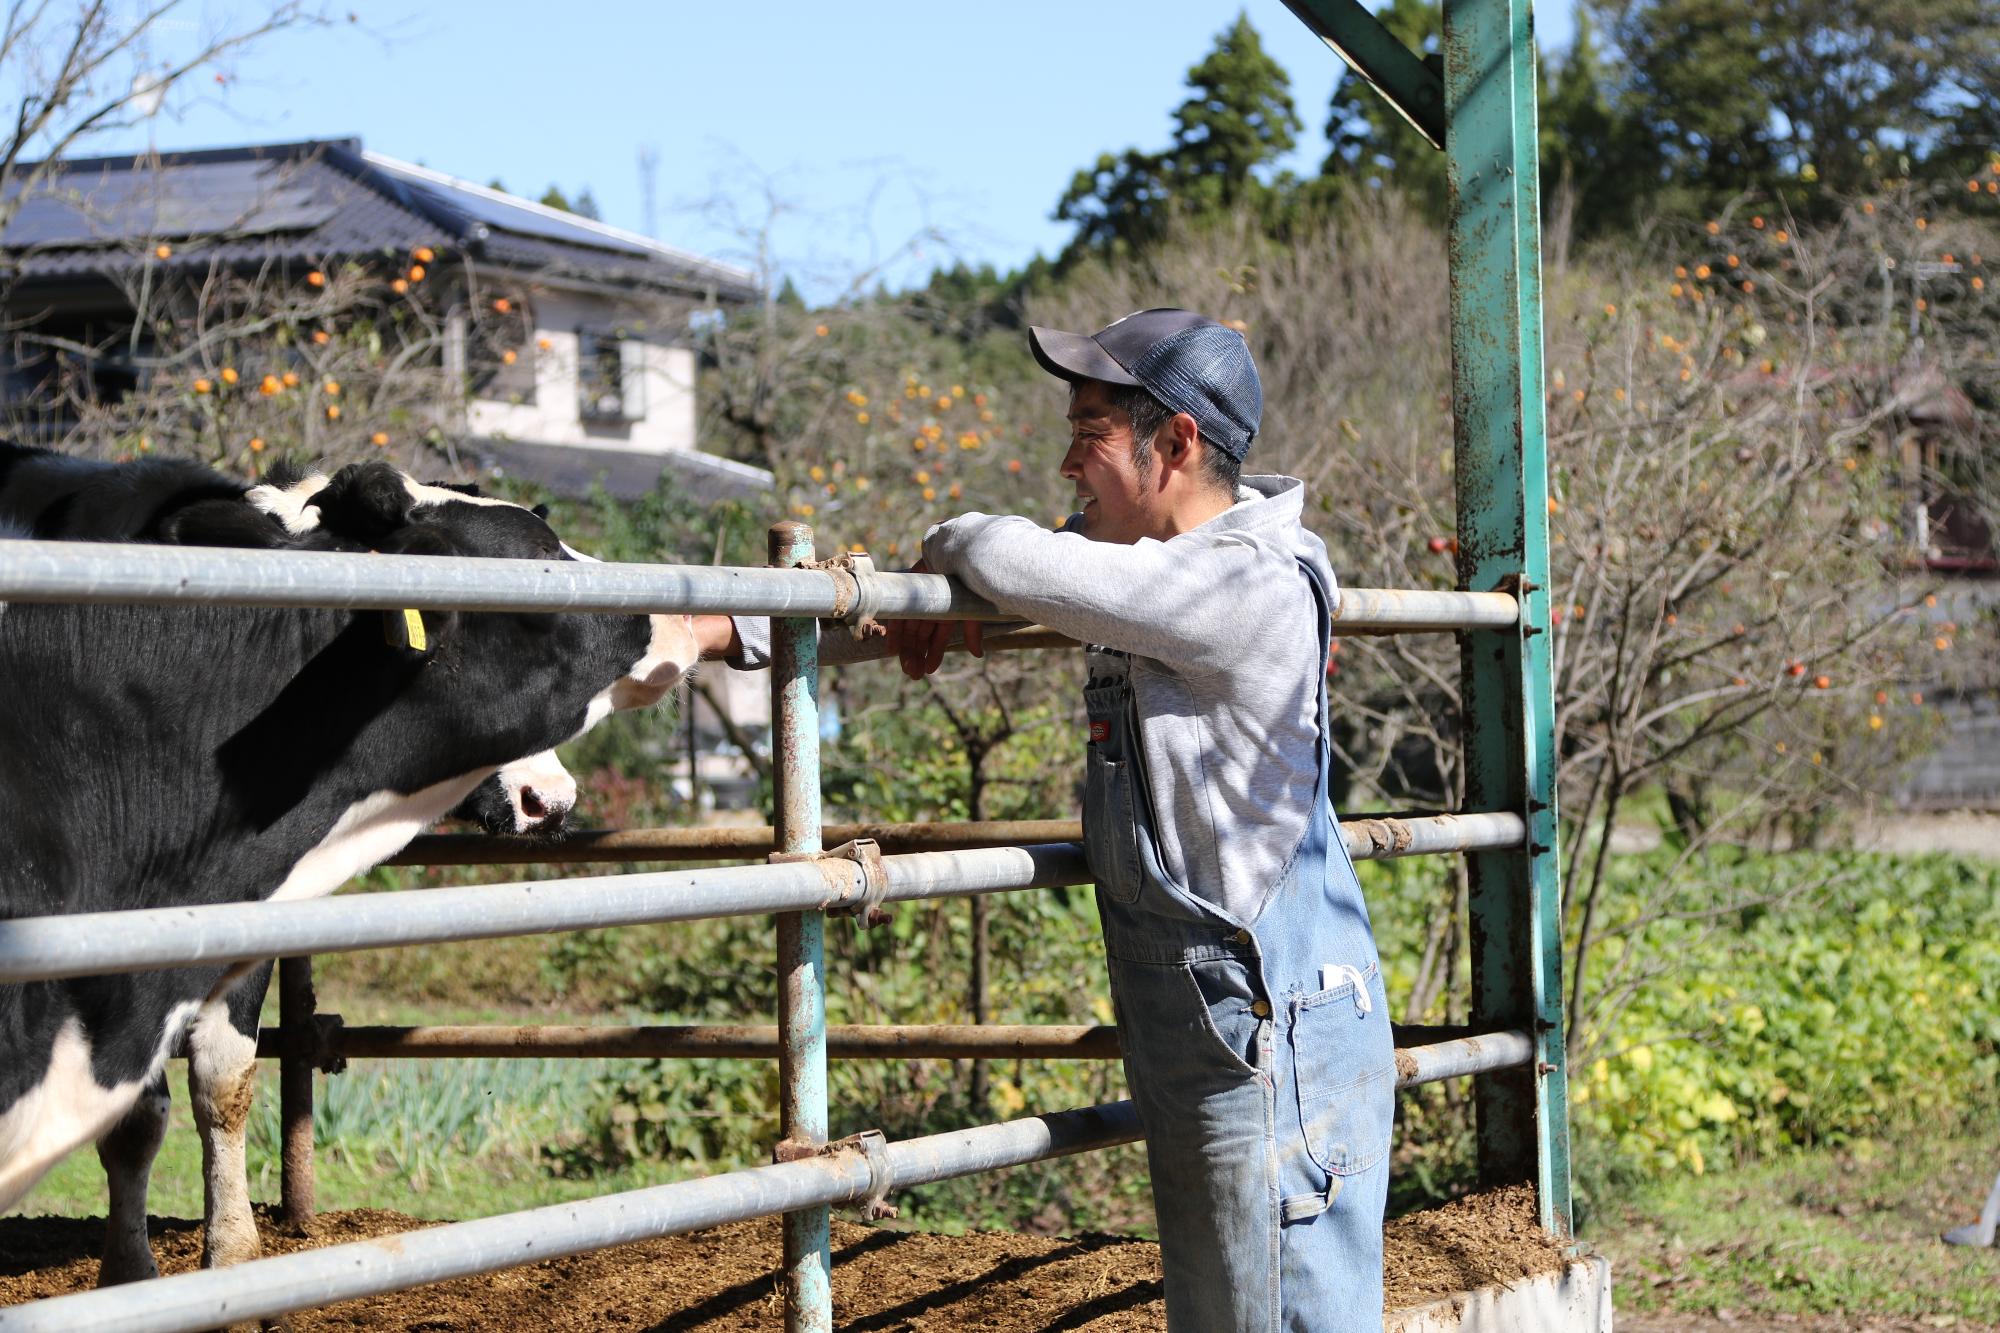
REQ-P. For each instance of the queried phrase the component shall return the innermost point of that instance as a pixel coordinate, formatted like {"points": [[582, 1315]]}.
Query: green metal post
{"points": [[1372, 51], [801, 942], [1501, 471]]}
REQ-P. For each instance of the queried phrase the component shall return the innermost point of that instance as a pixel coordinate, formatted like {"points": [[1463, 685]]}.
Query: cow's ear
{"points": [[409, 629], [541, 512], [365, 502], [221, 523]]}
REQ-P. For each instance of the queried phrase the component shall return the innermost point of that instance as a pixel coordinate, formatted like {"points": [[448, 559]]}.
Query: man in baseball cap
{"points": [[1249, 996]]}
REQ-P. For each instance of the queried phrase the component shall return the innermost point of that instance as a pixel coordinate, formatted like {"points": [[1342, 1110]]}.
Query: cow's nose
{"points": [[532, 804]]}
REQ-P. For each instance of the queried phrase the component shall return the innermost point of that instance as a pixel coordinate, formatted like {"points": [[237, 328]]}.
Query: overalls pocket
{"points": [[1199, 1025], [1346, 1070], [1110, 837]]}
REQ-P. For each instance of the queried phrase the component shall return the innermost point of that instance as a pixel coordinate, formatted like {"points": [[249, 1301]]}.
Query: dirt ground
{"points": [[720, 1281], [1961, 832]]}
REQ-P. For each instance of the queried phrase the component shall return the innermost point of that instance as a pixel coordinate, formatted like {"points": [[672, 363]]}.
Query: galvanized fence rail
{"points": [[800, 887]]}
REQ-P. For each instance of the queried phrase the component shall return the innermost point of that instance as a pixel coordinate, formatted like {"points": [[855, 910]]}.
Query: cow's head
{"points": [[575, 667]]}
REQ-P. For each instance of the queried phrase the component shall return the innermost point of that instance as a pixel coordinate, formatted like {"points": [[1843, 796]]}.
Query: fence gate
{"points": [[1478, 105]]}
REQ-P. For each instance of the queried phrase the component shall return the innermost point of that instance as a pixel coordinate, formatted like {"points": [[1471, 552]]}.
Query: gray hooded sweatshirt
{"points": [[1226, 666]]}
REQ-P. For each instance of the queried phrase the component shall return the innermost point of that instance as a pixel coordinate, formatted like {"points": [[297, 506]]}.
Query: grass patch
{"points": [[1850, 1232], [443, 1138]]}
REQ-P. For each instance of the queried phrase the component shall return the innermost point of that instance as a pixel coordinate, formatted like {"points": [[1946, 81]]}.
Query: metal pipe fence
{"points": [[107, 573], [800, 886], [1433, 1061], [95, 943], [851, 1172], [1368, 836]]}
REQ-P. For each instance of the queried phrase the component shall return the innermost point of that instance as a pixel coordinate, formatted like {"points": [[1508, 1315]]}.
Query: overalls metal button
{"points": [[1261, 1009], [1241, 937]]}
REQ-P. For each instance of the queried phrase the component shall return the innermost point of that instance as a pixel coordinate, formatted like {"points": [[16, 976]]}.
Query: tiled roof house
{"points": [[598, 391]]}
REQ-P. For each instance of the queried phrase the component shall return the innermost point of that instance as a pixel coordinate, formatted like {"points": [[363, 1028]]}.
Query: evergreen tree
{"points": [[586, 206], [553, 197], [1237, 122], [1801, 95], [1369, 142], [1590, 146], [1117, 204], [1593, 149]]}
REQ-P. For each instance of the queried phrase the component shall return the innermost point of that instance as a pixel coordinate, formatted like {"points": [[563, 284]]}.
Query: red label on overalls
{"points": [[1100, 732]]}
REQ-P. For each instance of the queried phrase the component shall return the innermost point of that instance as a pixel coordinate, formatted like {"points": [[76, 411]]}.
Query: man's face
{"points": [[1118, 499]]}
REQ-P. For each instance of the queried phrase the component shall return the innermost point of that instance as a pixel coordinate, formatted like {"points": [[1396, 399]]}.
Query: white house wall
{"points": [[553, 418]]}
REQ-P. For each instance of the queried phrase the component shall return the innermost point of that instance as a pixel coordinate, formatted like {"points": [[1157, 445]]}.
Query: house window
{"points": [[500, 351], [610, 376]]}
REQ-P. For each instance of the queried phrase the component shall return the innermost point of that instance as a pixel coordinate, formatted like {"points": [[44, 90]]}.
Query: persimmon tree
{"points": [[1740, 632], [85, 70], [240, 365]]}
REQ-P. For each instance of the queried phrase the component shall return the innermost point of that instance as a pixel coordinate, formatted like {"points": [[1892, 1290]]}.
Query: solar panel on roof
{"points": [[517, 218], [177, 200]]}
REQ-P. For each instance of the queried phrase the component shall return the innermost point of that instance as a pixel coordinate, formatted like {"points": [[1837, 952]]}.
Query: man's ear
{"points": [[365, 502], [1177, 439]]}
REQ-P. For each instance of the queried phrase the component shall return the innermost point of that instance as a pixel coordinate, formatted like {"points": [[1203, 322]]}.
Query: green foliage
{"points": [[1672, 106], [421, 1122], [1871, 1007], [718, 1114], [1599, 155], [1843, 1232], [1811, 101], [1237, 121]]}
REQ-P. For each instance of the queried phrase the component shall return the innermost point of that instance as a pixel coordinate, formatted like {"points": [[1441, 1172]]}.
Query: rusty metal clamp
{"points": [[866, 853], [874, 1148], [854, 598]]}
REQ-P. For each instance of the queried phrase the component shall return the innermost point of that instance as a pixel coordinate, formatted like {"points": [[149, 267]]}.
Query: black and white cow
{"points": [[161, 756]]}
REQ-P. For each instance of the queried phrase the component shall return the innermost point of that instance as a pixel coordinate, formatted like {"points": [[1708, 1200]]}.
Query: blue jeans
{"points": [[1268, 1140]]}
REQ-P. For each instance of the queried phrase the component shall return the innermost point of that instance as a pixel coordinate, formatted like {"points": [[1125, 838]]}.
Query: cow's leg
{"points": [[222, 1084], [66, 1109], [127, 1153]]}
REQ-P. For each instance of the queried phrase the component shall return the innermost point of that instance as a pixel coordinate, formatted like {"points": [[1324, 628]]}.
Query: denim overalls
{"points": [[1258, 1052]]}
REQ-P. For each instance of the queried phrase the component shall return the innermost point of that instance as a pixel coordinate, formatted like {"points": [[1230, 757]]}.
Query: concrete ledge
{"points": [[1576, 1300]]}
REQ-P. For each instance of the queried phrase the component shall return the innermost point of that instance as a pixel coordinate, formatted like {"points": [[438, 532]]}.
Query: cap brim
{"points": [[1075, 356]]}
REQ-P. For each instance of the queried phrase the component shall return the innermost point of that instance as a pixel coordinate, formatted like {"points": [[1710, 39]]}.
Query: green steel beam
{"points": [[1372, 51], [1502, 479]]}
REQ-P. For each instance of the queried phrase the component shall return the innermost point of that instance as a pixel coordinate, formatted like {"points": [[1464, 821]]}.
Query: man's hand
{"points": [[716, 636], [920, 644]]}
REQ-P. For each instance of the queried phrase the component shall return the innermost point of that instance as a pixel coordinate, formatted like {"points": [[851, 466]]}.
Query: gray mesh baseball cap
{"points": [[1187, 361]]}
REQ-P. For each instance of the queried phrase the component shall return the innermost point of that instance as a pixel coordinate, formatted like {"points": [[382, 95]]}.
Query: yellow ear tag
{"points": [[405, 629]]}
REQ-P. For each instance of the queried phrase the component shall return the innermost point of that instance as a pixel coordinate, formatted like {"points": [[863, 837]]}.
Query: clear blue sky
{"points": [[870, 122]]}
